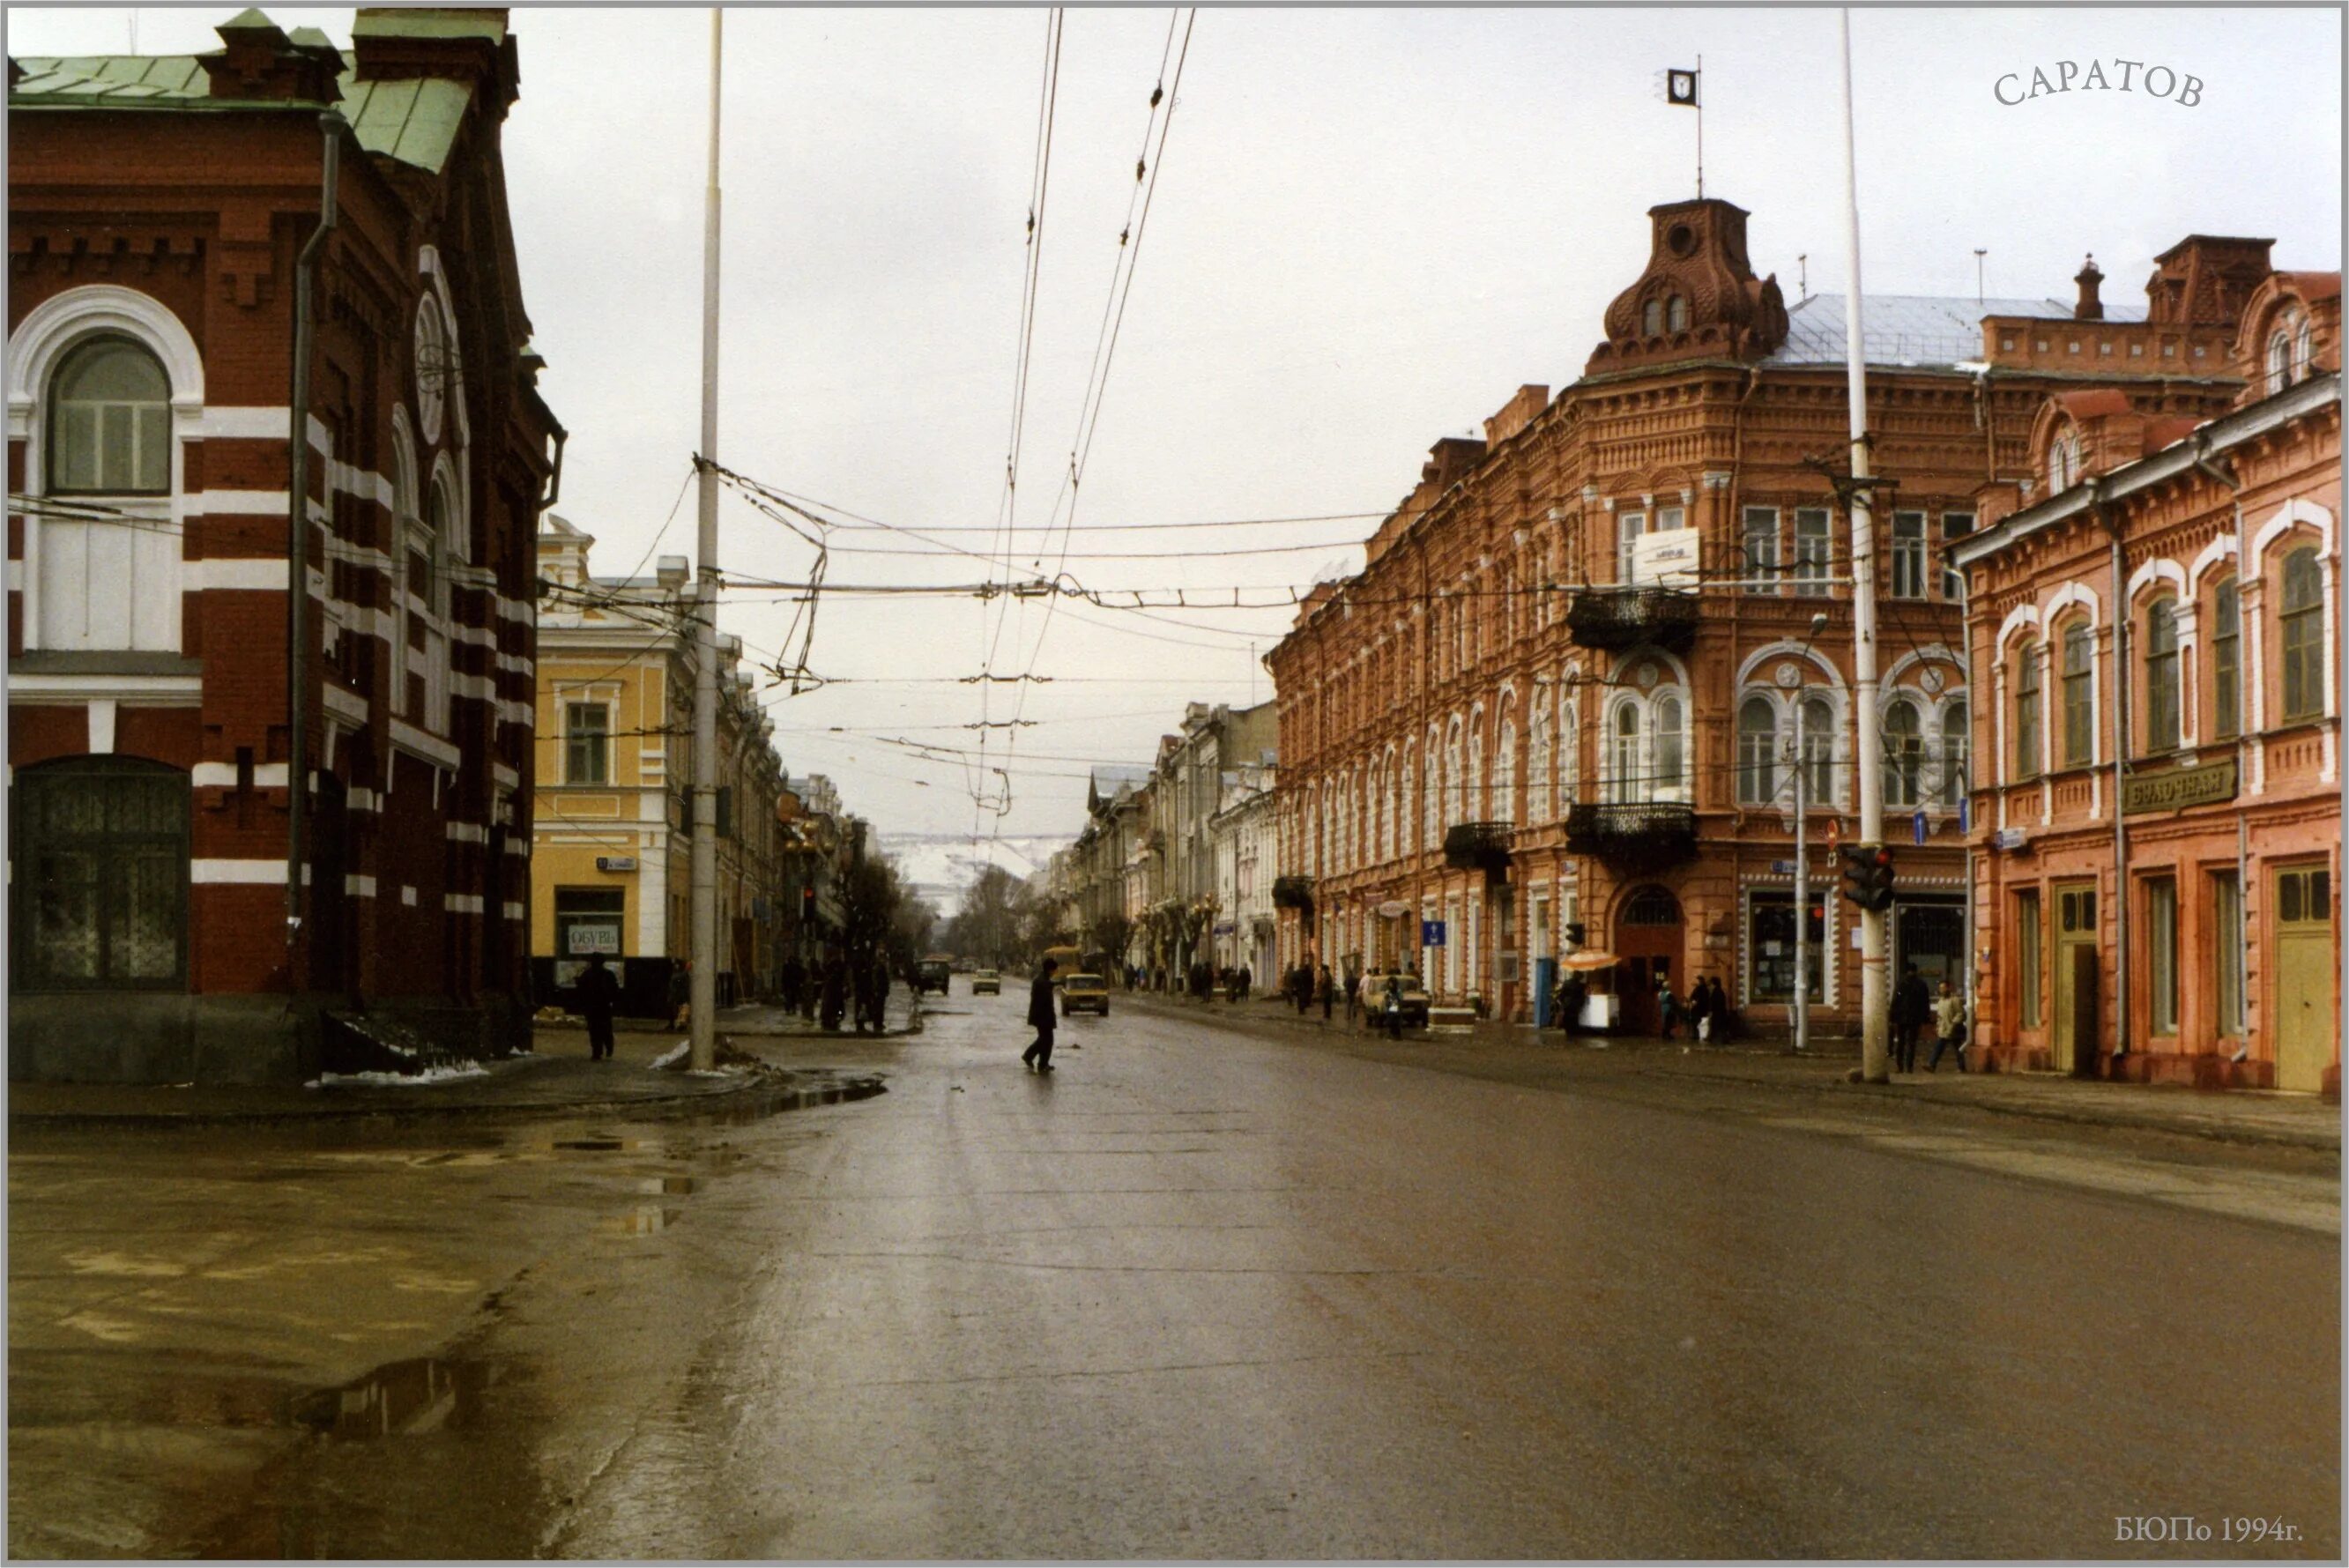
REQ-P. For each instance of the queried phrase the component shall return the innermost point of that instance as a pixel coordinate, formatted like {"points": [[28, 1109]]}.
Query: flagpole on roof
{"points": [[1866, 742], [1699, 127]]}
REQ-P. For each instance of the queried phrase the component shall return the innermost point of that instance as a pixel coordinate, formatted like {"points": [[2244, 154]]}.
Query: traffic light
{"points": [[1577, 933], [807, 903], [1868, 876]]}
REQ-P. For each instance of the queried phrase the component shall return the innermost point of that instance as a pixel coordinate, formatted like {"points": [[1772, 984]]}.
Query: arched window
{"points": [[2079, 695], [1477, 805], [110, 421], [1454, 776], [2227, 660], [1569, 751], [1540, 761], [1676, 314], [2063, 462], [1757, 751], [100, 847], [2026, 711], [1672, 781], [2162, 689], [2303, 351], [1651, 906], [1955, 741], [1623, 781], [1431, 797], [1651, 318], [2303, 636], [1904, 753], [2280, 367], [435, 368], [1818, 751], [1506, 802]]}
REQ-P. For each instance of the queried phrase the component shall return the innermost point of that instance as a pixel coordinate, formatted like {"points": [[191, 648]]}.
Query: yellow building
{"points": [[611, 860]]}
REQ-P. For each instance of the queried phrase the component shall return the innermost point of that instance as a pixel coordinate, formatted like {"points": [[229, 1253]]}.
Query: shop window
{"points": [[2161, 682], [2227, 660], [99, 871], [1811, 550], [2161, 953], [2304, 637], [2027, 939], [1770, 947], [2228, 949], [586, 743]]}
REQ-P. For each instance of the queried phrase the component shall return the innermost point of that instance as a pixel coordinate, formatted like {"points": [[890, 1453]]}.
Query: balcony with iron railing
{"points": [[1612, 617], [1632, 836], [1480, 846]]}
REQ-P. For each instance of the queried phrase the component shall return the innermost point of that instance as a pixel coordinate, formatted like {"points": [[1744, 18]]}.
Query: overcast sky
{"points": [[1370, 227]]}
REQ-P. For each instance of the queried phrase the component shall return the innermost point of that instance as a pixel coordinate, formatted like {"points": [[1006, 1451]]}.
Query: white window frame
{"points": [[1908, 555], [1813, 551], [1761, 524]]}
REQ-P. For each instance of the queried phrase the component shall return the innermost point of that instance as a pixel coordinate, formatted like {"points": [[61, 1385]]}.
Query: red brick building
{"points": [[2158, 814], [1566, 700], [158, 211]]}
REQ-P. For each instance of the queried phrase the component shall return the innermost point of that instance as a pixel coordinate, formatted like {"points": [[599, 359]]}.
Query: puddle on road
{"points": [[423, 1394], [647, 1222], [597, 1145]]}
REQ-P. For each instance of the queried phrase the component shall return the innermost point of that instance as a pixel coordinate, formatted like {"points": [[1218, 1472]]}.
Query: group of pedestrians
{"points": [[1914, 1006], [1706, 1010]]}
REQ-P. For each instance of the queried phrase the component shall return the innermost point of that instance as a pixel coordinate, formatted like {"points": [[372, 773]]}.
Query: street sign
{"points": [[1781, 868], [1918, 823], [1834, 831], [1430, 933], [2009, 838]]}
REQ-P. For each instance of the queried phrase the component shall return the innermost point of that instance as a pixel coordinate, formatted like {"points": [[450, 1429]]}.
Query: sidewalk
{"points": [[557, 1078], [2237, 1116]]}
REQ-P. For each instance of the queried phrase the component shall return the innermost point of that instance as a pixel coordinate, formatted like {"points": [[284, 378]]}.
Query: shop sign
{"points": [[586, 937], [2178, 787], [2009, 838]]}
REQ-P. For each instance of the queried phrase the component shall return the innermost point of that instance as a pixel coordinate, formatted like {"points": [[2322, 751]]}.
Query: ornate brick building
{"points": [[162, 212], [2159, 808], [1565, 701]]}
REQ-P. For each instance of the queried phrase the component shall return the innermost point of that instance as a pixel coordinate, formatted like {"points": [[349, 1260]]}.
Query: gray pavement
{"points": [[1206, 1292]]}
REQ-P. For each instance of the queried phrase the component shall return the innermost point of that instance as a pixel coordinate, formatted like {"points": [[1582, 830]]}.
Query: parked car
{"points": [[1083, 992], [988, 981], [930, 974], [1414, 998]]}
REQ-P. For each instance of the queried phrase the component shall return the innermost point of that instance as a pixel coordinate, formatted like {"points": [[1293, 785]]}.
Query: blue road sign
{"points": [[1430, 933], [1919, 823]]}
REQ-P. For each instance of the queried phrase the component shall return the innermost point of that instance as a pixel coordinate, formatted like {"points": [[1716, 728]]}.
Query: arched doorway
{"points": [[1648, 939]]}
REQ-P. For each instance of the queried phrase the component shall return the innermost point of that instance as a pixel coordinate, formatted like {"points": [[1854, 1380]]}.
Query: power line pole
{"points": [[703, 990], [1867, 743]]}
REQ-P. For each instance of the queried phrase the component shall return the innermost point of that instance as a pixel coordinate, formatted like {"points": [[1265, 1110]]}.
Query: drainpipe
{"points": [[2241, 955], [2120, 765], [297, 534]]}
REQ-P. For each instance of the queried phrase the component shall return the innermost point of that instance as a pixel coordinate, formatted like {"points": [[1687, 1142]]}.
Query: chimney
{"points": [[2090, 307], [258, 63]]}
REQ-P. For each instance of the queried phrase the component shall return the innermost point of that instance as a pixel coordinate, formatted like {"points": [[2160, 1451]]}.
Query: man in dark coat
{"points": [[1038, 1056], [1912, 1003], [794, 975], [880, 1002], [835, 991], [599, 994]]}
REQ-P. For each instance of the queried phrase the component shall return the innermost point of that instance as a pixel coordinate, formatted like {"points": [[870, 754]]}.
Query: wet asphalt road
{"points": [[1204, 1293]]}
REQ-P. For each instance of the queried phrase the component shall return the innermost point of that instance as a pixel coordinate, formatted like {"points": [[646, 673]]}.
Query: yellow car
{"points": [[1084, 993], [988, 981], [1414, 999]]}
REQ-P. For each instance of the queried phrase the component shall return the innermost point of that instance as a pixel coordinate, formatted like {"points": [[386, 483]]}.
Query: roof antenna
{"points": [[1802, 262]]}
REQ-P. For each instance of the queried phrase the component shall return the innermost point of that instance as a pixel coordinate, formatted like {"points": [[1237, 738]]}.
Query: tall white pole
{"points": [[704, 991], [1867, 742], [1802, 896]]}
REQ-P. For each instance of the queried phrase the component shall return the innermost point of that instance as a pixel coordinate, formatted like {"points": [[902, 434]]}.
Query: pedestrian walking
{"points": [[1571, 996], [1300, 987], [835, 1000], [680, 996], [1668, 1007], [1912, 1005], [1393, 1007], [1038, 1056], [1353, 994], [1324, 989], [599, 996], [878, 1004], [794, 976], [1246, 981], [1949, 1027]]}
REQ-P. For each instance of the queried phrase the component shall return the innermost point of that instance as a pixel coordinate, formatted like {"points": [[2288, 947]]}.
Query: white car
{"points": [[986, 980]]}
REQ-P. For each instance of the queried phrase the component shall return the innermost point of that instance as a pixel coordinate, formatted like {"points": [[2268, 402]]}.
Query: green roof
{"points": [[427, 21], [413, 120]]}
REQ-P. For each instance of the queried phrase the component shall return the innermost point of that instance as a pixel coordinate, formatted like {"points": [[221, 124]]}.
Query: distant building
{"points": [[611, 872], [170, 919], [2157, 795], [1245, 835]]}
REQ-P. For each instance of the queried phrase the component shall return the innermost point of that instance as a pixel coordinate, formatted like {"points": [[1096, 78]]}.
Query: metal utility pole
{"points": [[704, 991], [1866, 742], [1803, 861]]}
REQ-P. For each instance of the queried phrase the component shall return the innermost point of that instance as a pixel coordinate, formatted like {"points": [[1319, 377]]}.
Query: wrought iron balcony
{"points": [[1644, 835], [1292, 892], [1627, 617], [1473, 846]]}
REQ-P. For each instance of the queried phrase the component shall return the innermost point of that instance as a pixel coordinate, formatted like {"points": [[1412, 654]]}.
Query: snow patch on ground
{"points": [[402, 1080], [683, 1049]]}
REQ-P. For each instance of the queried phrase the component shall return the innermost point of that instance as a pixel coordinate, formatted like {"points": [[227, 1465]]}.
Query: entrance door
{"points": [[2074, 1039], [329, 913], [1648, 939], [2303, 990]]}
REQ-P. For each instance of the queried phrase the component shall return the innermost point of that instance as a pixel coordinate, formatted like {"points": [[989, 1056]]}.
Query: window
{"points": [[2026, 954], [1508, 803], [587, 745], [2228, 949], [1955, 743], [2303, 896], [2079, 696], [1757, 751], [1628, 527], [2161, 953], [434, 367], [1541, 762], [1676, 314], [1670, 519], [110, 422], [1770, 946], [2161, 688], [1651, 318], [1761, 549], [1955, 525], [1670, 782], [100, 883], [2063, 462], [1623, 775], [1818, 751], [589, 920], [1904, 753], [1908, 555], [2303, 636], [2026, 711], [1811, 550], [2280, 359], [2227, 660]]}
